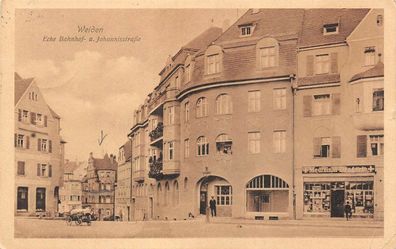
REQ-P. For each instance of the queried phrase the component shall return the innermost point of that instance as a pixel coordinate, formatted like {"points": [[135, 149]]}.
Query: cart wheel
{"points": [[69, 221], [78, 221]]}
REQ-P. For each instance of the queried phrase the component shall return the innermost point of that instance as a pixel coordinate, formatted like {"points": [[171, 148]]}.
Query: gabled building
{"points": [[39, 151], [99, 184], [71, 189]]}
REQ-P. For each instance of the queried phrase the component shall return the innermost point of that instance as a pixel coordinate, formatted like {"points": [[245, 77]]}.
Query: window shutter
{"points": [[39, 144], [334, 62], [336, 100], [15, 139], [38, 169], [27, 142], [33, 118], [336, 147], [361, 146], [310, 65], [49, 146], [19, 115], [307, 103], [317, 141], [50, 171], [45, 121]]}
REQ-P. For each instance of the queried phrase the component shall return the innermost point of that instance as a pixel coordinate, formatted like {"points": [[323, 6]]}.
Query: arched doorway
{"points": [[267, 194], [221, 191]]}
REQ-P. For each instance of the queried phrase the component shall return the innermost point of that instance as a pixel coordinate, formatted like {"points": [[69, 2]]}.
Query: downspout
{"points": [[294, 91]]}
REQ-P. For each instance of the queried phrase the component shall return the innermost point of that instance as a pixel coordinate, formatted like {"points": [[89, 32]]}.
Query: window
{"points": [[322, 64], [279, 98], [25, 116], [224, 144], [202, 146], [171, 115], [254, 101], [43, 145], [20, 141], [40, 199], [224, 195], [223, 104], [321, 105], [377, 145], [254, 142], [22, 198], [369, 56], [378, 100], [43, 170], [213, 64], [186, 148], [108, 187], [246, 30], [329, 29], [202, 108], [39, 119], [380, 20], [188, 73], [21, 168], [322, 147], [171, 150], [187, 111], [267, 57], [279, 141]]}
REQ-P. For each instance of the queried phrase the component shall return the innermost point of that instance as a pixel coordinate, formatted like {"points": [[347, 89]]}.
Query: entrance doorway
{"points": [[22, 198], [337, 203], [203, 203], [40, 199]]}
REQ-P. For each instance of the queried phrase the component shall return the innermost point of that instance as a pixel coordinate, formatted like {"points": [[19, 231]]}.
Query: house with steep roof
{"points": [[39, 151], [99, 184]]}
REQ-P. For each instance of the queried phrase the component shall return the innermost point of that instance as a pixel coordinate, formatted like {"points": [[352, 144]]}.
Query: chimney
{"points": [[90, 155]]}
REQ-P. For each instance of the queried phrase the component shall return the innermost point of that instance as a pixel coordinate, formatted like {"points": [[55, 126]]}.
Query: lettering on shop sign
{"points": [[339, 169]]}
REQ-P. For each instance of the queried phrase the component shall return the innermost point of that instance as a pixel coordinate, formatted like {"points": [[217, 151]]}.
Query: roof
{"points": [[315, 19], [53, 113], [128, 150], [205, 38], [104, 164], [376, 71], [69, 167], [21, 85]]}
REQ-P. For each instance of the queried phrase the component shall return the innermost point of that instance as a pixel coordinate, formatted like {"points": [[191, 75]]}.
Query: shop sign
{"points": [[338, 169]]}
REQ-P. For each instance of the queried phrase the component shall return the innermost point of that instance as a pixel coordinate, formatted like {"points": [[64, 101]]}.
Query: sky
{"points": [[97, 86]]}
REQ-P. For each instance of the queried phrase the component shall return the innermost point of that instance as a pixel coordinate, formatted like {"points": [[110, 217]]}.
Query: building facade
{"points": [[98, 185], [71, 189], [39, 151], [232, 108], [123, 190]]}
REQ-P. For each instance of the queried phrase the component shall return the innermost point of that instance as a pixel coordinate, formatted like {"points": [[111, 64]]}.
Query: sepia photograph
{"points": [[199, 123]]}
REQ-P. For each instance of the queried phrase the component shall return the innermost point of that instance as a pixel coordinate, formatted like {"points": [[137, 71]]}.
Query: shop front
{"points": [[327, 189]]}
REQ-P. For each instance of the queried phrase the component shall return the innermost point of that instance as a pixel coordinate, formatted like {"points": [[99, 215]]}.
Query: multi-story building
{"points": [[339, 114], [255, 116], [39, 151], [123, 190], [71, 191], [98, 185]]}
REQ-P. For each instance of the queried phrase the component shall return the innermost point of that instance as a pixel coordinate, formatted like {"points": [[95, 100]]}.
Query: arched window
{"points": [[213, 60], [202, 146], [224, 144], [188, 69], [159, 191], [166, 195], [201, 107], [267, 53], [175, 199], [223, 104]]}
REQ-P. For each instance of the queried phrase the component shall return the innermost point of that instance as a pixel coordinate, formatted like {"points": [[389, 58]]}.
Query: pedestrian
{"points": [[212, 205], [348, 211]]}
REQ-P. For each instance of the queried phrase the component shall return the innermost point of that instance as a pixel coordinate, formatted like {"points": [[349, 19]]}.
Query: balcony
{"points": [[156, 169], [369, 121], [138, 175], [156, 134]]}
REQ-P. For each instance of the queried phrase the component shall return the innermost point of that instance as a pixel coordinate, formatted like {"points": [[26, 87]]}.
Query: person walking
{"points": [[212, 205], [348, 211]]}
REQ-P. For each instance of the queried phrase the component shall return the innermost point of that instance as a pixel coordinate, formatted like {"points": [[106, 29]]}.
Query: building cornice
{"points": [[332, 45], [319, 86]]}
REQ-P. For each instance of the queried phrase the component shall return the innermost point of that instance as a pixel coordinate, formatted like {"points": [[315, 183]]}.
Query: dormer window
{"points": [[213, 60], [329, 29], [246, 30]]}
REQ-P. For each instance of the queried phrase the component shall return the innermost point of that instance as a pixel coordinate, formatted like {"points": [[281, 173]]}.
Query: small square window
{"points": [[331, 28]]}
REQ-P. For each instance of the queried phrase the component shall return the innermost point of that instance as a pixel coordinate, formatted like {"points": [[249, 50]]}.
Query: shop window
{"points": [[378, 100], [369, 56], [254, 101], [331, 28], [40, 199], [321, 105], [254, 142], [279, 98], [377, 145], [223, 195], [22, 199], [202, 146], [223, 104], [224, 144], [322, 64], [201, 107], [279, 141]]}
